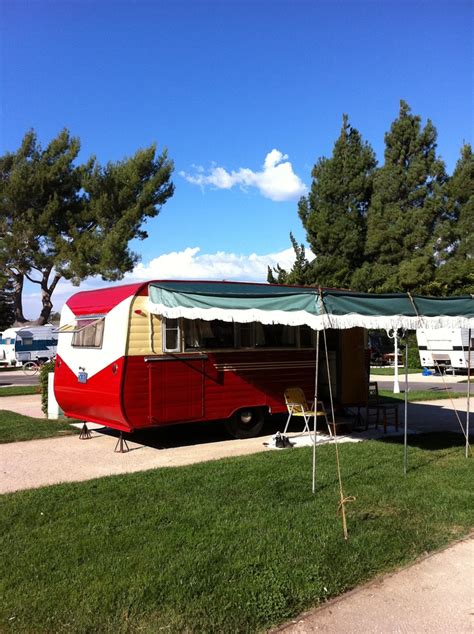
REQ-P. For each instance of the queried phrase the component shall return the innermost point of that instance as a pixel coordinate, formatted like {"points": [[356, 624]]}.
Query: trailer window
{"points": [[210, 335], [171, 335], [89, 333], [196, 333], [219, 335], [278, 336], [307, 337]]}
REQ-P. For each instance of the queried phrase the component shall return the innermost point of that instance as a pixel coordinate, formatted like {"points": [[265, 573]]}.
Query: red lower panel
{"points": [[173, 391], [176, 391], [98, 400], [143, 394]]}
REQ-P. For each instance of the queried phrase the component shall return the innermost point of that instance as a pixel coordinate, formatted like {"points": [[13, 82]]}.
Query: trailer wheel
{"points": [[246, 422]]}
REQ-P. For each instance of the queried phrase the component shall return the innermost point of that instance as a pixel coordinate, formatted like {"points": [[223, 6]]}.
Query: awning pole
{"points": [[315, 407], [405, 428], [468, 391]]}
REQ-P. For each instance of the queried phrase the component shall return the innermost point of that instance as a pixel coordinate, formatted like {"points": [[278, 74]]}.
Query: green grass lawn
{"points": [[15, 427], [421, 395], [19, 390], [236, 545]]}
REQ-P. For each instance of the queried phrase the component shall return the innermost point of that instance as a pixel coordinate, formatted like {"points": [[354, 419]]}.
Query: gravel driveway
{"points": [[36, 463]]}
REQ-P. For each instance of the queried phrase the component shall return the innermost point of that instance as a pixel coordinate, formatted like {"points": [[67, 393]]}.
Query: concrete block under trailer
{"points": [[120, 366]]}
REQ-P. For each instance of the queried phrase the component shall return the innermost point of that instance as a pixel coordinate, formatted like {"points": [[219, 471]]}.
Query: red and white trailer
{"points": [[122, 364]]}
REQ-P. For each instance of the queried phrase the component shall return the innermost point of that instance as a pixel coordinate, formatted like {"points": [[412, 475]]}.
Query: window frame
{"points": [[179, 334], [93, 320]]}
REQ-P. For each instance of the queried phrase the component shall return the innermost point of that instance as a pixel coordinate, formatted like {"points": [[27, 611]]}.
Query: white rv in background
{"points": [[445, 349], [29, 343]]}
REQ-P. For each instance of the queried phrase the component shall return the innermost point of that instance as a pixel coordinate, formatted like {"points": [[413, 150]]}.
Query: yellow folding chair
{"points": [[297, 405]]}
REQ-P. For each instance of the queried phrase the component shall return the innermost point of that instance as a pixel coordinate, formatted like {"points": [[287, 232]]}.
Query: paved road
{"points": [[432, 387], [17, 377], [419, 382]]}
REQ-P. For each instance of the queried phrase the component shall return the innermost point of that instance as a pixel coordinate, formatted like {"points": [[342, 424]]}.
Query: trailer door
{"points": [[176, 388]]}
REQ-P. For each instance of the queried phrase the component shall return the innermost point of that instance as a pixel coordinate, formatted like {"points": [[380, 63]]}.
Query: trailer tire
{"points": [[246, 422]]}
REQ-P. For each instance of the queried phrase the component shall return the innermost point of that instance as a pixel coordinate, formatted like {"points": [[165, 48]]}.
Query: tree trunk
{"points": [[46, 293], [47, 308], [17, 298]]}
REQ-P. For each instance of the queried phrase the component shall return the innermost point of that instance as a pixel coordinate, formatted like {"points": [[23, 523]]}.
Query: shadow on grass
{"points": [[430, 441], [434, 445]]}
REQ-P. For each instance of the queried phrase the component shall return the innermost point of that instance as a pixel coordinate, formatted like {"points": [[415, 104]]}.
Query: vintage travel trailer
{"points": [[29, 343], [123, 364], [446, 349]]}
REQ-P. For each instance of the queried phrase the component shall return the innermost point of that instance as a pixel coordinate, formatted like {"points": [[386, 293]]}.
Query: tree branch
{"points": [[57, 277], [31, 279]]}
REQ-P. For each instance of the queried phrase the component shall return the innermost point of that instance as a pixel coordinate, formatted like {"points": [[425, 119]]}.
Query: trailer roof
{"points": [[102, 300]]}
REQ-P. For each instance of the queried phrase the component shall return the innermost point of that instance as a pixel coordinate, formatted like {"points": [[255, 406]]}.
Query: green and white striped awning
{"points": [[297, 306]]}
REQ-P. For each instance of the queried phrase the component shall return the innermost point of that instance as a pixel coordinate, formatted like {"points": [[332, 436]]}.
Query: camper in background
{"points": [[444, 349], [381, 348], [29, 343]]}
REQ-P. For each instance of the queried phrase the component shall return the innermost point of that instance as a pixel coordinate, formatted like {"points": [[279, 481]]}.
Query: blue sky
{"points": [[222, 84]]}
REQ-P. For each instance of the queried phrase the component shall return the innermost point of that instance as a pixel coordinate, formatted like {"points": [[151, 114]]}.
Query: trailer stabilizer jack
{"points": [[122, 445], [85, 433]]}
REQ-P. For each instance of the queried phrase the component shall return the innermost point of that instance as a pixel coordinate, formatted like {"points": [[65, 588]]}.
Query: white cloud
{"points": [[276, 180], [191, 264], [188, 264]]}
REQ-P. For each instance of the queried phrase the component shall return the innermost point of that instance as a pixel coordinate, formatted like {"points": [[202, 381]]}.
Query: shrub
{"points": [[44, 372]]}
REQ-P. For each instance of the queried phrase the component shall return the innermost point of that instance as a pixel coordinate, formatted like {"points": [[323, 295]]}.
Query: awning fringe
{"points": [[316, 322]]}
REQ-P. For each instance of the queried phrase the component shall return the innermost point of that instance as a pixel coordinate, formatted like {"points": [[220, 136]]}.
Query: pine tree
{"points": [[455, 273], [298, 274], [38, 195], [59, 219], [7, 312], [406, 207], [334, 213]]}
